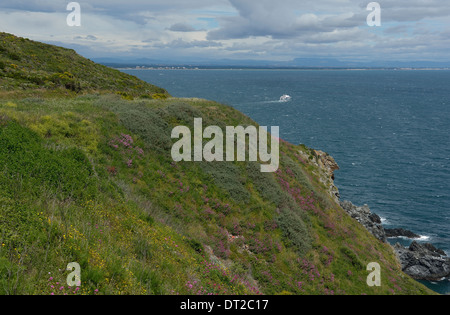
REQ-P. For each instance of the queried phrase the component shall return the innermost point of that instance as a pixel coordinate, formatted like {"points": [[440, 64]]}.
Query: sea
{"points": [[389, 131]]}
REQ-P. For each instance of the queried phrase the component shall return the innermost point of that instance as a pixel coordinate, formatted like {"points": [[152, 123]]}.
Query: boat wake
{"points": [[283, 99]]}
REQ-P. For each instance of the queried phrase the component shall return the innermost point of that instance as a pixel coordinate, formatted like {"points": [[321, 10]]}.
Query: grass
{"points": [[87, 177], [158, 227], [25, 65]]}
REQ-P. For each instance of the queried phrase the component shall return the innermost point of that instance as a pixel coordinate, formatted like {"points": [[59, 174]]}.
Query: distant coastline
{"points": [[231, 67]]}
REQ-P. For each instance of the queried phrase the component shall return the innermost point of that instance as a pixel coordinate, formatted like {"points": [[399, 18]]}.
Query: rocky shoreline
{"points": [[421, 261], [400, 233]]}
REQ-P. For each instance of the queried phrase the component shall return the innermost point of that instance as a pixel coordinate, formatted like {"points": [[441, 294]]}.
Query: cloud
{"points": [[414, 10], [34, 5], [397, 29], [278, 30], [182, 27], [289, 19], [280, 19], [88, 37], [182, 44]]}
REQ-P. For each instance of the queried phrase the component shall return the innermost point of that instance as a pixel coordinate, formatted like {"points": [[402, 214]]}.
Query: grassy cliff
{"points": [[87, 177], [26, 64]]}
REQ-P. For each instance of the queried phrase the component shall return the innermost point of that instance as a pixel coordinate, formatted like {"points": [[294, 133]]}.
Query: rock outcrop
{"points": [[327, 165], [423, 261], [400, 233], [420, 261], [369, 220]]}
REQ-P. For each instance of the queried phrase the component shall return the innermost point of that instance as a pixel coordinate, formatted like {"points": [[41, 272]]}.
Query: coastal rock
{"points": [[326, 162], [426, 248], [369, 220], [327, 165], [400, 233], [423, 261], [420, 261]]}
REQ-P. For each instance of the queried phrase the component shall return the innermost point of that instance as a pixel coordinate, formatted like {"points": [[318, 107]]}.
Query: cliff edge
{"points": [[87, 176]]}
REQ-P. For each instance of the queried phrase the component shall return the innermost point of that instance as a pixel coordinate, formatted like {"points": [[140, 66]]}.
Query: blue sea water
{"points": [[388, 130]]}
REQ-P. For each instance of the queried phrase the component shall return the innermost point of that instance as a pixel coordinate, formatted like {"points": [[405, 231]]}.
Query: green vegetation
{"points": [[87, 177], [25, 65]]}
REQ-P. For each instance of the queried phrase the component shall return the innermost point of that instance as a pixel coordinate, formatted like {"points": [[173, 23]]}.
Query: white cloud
{"points": [[272, 29]]}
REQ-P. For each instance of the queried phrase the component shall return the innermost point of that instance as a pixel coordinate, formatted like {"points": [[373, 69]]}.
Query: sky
{"points": [[200, 30]]}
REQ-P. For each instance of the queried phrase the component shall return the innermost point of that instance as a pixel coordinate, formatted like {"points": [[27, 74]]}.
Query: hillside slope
{"points": [[26, 64], [89, 178]]}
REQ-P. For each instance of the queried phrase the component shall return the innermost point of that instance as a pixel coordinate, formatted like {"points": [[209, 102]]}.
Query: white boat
{"points": [[285, 98]]}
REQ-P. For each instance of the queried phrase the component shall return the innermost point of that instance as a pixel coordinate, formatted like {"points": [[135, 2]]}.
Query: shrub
{"points": [[144, 122], [159, 96], [294, 230], [14, 56], [265, 184], [125, 96], [180, 113], [128, 150], [295, 171], [196, 245], [229, 177]]}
